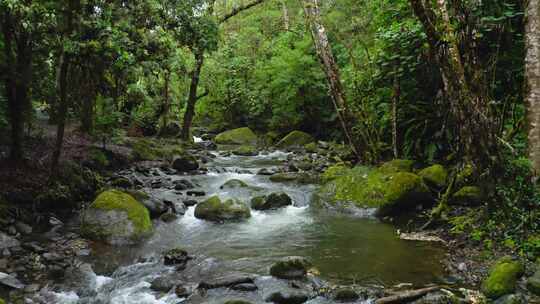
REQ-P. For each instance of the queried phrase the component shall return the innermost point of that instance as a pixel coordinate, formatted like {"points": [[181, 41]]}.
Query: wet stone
{"points": [[196, 193], [245, 287]]}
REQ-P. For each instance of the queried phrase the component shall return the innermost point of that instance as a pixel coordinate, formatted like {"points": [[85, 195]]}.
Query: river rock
{"points": [[295, 139], [388, 190], [185, 163], [10, 281], [182, 292], [237, 302], [233, 183], [81, 279], [245, 287], [213, 209], [288, 297], [509, 299], [155, 207], [23, 228], [176, 256], [502, 278], [533, 283], [272, 201], [240, 136], [162, 284], [290, 268], [183, 184], [7, 241], [228, 280], [345, 295], [245, 150], [117, 218]]}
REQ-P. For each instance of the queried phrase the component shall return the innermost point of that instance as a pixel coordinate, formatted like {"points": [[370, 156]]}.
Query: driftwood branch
{"points": [[239, 9], [406, 296]]}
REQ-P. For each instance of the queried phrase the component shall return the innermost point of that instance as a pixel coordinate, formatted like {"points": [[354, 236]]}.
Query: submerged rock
{"points": [[288, 297], [386, 189], [290, 268], [271, 201], [295, 139], [502, 278], [346, 295], [233, 183], [240, 136], [176, 256], [229, 280], [117, 218], [213, 209]]}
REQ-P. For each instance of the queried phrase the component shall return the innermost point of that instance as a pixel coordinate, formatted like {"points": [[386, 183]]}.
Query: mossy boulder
{"points": [[2, 301], [435, 176], [295, 139], [468, 195], [233, 183], [245, 150], [240, 136], [290, 268], [397, 165], [213, 209], [272, 201], [390, 193], [185, 163], [334, 172], [117, 218], [152, 149], [533, 283], [301, 178], [502, 278], [311, 147]]}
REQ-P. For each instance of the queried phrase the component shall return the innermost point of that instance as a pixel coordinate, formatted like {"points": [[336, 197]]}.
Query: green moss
{"points": [[301, 178], [238, 136], [120, 201], [295, 139], [435, 176], [397, 165], [502, 278], [290, 268], [98, 157], [154, 149], [311, 147], [2, 301], [245, 150], [389, 192], [465, 175], [468, 195], [334, 172], [213, 209]]}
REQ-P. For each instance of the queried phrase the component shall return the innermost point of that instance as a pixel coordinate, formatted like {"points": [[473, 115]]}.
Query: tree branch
{"points": [[239, 9], [205, 93]]}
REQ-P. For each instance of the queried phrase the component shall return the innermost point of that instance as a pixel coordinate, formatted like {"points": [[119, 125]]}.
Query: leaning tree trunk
{"points": [[532, 73], [320, 39], [192, 99], [62, 111]]}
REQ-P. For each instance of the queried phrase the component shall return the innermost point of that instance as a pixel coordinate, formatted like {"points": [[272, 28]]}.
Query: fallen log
{"points": [[407, 296]]}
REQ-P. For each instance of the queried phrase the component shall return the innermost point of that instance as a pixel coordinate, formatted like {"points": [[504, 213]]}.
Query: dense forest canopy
{"points": [[447, 82]]}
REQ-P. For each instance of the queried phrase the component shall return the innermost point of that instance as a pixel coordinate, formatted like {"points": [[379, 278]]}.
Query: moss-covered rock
{"points": [[213, 209], [533, 283], [233, 183], [2, 301], [468, 195], [245, 150], [271, 201], [388, 191], [502, 278], [98, 159], [295, 139], [311, 147], [116, 217], [397, 165], [154, 149], [290, 268], [240, 136], [334, 172], [435, 176], [301, 178]]}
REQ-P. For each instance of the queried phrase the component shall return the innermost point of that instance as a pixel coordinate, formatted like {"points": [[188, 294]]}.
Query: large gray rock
{"points": [[185, 163], [10, 281], [7, 241], [213, 209]]}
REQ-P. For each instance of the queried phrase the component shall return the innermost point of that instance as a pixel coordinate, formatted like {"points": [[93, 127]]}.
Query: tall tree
{"points": [[324, 51], [532, 71], [198, 52]]}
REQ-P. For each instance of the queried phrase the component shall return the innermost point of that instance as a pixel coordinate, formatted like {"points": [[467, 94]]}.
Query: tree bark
{"points": [[18, 52], [192, 99], [395, 101], [320, 39], [285, 12], [532, 73]]}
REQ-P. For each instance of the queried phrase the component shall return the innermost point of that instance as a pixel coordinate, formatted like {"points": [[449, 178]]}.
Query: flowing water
{"points": [[344, 249]]}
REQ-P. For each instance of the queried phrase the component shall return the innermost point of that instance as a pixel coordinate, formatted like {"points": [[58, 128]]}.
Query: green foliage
{"points": [[502, 278]]}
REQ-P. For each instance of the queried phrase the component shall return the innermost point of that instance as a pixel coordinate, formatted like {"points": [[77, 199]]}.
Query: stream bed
{"points": [[344, 249]]}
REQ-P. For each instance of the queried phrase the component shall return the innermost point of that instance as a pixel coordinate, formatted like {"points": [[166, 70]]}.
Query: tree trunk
{"points": [[166, 103], [192, 99], [285, 11], [395, 101], [532, 73], [61, 85], [320, 39], [18, 52]]}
